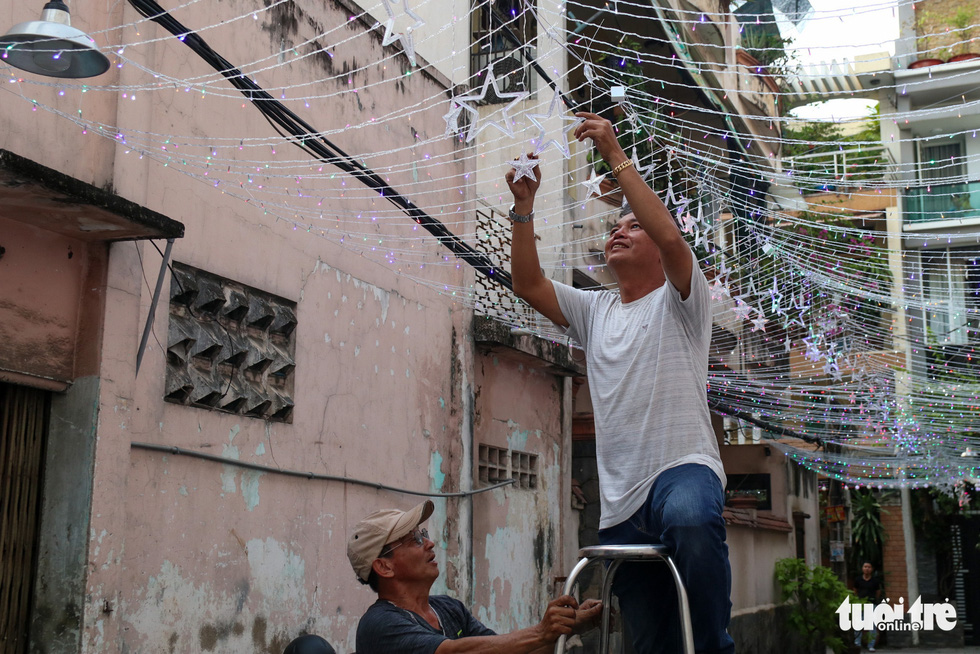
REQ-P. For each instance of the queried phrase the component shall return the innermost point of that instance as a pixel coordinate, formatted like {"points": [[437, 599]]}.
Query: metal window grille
{"points": [[493, 300], [492, 44]]}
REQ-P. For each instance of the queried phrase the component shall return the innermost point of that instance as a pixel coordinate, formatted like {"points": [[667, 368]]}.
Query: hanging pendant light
{"points": [[52, 47]]}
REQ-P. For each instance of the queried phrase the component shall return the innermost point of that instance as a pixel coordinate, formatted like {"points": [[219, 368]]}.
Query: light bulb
{"points": [[52, 61]]}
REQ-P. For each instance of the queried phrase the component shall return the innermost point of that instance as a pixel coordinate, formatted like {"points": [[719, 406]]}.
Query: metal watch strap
{"points": [[518, 218]]}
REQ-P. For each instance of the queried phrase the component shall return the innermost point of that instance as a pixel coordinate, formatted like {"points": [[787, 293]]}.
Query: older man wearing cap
{"points": [[391, 552]]}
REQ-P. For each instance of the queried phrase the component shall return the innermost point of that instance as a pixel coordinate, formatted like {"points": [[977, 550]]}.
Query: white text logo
{"points": [[896, 617]]}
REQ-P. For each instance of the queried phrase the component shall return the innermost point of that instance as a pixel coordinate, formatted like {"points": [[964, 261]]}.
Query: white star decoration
{"points": [[592, 185], [524, 167], [505, 126], [561, 141], [742, 309], [452, 118], [406, 38], [643, 171]]}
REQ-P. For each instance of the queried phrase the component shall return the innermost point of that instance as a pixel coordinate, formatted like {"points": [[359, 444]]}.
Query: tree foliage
{"points": [[867, 532], [814, 595]]}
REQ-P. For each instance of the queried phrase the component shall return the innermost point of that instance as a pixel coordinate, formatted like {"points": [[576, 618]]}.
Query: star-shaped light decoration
{"points": [[490, 82], [406, 38], [776, 297], [524, 167], [719, 289], [813, 352], [592, 185], [759, 322], [644, 171], [452, 118], [561, 140], [742, 309], [688, 222]]}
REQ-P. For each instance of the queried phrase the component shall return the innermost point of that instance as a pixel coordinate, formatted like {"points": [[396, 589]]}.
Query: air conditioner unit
{"points": [[512, 77]]}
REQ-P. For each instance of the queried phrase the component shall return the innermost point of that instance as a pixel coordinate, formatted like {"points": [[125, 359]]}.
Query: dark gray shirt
{"points": [[388, 629]]}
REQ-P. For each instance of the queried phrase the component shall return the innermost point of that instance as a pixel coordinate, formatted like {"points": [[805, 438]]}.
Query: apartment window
{"points": [[494, 21], [951, 281], [941, 164]]}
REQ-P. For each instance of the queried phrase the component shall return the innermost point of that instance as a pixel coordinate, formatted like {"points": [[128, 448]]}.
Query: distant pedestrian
{"points": [[868, 588]]}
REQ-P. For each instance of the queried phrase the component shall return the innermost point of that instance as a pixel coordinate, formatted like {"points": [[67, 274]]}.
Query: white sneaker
{"points": [[871, 648]]}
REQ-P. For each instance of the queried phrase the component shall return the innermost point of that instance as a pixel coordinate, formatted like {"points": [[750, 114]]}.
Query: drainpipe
{"points": [[467, 584], [913, 572]]}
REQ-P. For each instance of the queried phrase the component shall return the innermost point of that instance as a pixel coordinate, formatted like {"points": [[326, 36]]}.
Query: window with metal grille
{"points": [[501, 30], [497, 464], [494, 300]]}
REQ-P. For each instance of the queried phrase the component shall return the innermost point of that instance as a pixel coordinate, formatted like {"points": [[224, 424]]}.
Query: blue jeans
{"points": [[683, 512]]}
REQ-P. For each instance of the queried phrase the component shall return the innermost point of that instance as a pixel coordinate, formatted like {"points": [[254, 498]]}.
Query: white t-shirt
{"points": [[648, 373]]}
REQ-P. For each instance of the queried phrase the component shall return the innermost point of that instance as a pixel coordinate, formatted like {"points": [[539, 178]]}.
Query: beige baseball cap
{"points": [[371, 534]]}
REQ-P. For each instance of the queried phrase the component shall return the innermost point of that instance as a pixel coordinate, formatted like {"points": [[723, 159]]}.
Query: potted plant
{"points": [[962, 22], [923, 42]]}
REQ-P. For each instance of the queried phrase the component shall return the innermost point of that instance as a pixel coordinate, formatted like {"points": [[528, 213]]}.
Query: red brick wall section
{"points": [[893, 565]]}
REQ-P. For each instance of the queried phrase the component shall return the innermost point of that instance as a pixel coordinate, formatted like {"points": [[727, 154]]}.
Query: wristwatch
{"points": [[518, 218]]}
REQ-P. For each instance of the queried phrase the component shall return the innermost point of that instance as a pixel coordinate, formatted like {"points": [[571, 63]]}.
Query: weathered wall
{"points": [[49, 282], [757, 539], [517, 549], [179, 554]]}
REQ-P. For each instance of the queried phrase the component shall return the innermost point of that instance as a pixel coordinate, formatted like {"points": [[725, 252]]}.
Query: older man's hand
{"points": [[587, 616], [559, 618]]}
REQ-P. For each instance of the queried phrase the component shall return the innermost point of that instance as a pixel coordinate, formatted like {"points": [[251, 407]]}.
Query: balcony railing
{"points": [[942, 202], [839, 168]]}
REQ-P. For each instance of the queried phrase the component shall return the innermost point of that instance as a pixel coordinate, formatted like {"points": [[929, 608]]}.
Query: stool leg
{"points": [[687, 631], [607, 582], [569, 584]]}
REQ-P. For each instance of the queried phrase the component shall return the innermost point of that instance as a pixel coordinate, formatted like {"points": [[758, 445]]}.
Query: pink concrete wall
{"points": [[46, 281], [521, 549], [187, 555]]}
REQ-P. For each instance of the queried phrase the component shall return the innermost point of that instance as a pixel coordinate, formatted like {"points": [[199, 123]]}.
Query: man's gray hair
{"points": [[626, 210]]}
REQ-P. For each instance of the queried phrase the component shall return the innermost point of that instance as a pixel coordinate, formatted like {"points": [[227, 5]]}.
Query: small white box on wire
{"points": [[617, 93]]}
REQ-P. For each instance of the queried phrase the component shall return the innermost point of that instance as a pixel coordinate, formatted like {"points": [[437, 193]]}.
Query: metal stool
{"points": [[616, 555]]}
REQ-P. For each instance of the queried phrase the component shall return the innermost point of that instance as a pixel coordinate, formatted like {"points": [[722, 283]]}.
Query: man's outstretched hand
{"points": [[524, 189], [603, 137]]}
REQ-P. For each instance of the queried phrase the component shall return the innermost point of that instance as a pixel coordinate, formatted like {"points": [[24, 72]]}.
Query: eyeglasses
{"points": [[419, 536]]}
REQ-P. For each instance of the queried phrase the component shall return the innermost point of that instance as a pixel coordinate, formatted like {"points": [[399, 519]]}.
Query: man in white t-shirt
{"points": [[661, 478]]}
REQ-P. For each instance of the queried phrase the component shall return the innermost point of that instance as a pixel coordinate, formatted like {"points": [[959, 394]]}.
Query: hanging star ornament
{"points": [[644, 171], [742, 309], [452, 118], [524, 167], [466, 103], [406, 38], [555, 110], [592, 185]]}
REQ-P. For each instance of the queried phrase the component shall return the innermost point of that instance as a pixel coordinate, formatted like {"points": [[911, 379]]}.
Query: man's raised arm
{"points": [[649, 209], [530, 284]]}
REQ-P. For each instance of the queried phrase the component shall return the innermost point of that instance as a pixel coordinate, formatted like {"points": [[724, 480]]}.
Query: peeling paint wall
{"points": [[517, 532], [175, 554], [47, 279]]}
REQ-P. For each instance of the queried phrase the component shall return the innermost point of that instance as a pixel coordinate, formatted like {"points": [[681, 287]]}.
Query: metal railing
{"points": [[840, 168]]}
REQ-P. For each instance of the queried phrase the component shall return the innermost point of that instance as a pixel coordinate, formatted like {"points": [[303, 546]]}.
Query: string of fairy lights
{"points": [[834, 317]]}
